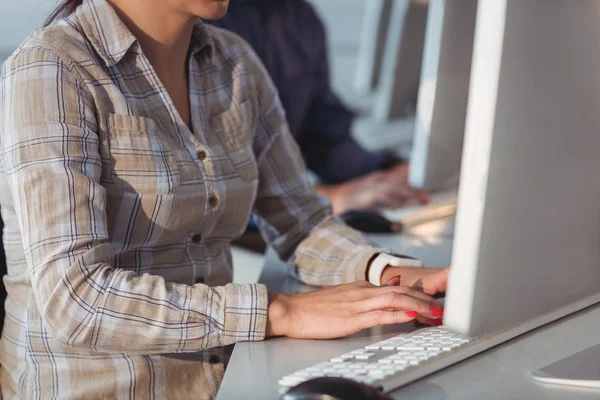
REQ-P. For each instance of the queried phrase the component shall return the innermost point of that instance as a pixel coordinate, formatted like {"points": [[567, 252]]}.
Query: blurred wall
{"points": [[343, 19], [18, 18], [344, 22]]}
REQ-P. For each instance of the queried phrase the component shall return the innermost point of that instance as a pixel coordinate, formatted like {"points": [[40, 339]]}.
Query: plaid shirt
{"points": [[119, 218]]}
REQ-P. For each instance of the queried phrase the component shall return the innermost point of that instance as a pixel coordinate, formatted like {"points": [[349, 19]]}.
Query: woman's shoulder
{"points": [[61, 42]]}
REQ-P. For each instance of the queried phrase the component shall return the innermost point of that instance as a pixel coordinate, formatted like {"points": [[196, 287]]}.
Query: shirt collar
{"points": [[112, 40]]}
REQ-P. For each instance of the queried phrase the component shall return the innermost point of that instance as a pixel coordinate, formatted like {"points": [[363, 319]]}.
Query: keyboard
{"points": [[382, 364]]}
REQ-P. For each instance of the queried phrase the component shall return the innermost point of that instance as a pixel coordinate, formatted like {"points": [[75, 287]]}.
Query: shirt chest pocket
{"points": [[141, 161], [232, 127]]}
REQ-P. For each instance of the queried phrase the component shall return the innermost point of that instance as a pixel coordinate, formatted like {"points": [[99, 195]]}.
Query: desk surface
{"points": [[499, 373]]}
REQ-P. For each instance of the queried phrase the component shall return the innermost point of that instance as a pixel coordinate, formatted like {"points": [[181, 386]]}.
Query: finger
{"points": [[401, 192], [400, 302], [424, 197], [382, 317], [373, 291], [349, 291], [427, 321], [437, 281], [413, 293], [400, 196]]}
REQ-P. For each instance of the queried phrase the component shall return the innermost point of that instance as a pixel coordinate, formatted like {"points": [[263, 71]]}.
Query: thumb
{"points": [[439, 280]]}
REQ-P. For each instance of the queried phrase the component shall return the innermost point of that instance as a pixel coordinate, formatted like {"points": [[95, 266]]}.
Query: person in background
{"points": [[134, 143], [289, 38]]}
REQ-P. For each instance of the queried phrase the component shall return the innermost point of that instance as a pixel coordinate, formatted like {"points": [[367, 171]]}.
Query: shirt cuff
{"points": [[245, 313], [383, 260]]}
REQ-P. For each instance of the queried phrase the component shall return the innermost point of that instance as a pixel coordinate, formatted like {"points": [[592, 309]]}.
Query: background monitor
{"points": [[443, 94]]}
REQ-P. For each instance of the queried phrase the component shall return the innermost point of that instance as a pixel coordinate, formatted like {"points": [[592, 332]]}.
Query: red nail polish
{"points": [[393, 277], [436, 312], [438, 322], [411, 314]]}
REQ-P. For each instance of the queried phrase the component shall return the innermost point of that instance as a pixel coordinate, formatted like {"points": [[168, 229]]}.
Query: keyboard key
{"points": [[367, 380], [410, 348], [342, 358], [319, 366], [401, 343], [364, 356], [301, 374]]}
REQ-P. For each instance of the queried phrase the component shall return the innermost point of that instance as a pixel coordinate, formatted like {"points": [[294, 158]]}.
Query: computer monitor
{"points": [[527, 238], [443, 92]]}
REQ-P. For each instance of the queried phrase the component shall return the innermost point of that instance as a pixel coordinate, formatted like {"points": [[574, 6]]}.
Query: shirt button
{"points": [[196, 238], [200, 279], [201, 155], [213, 201]]}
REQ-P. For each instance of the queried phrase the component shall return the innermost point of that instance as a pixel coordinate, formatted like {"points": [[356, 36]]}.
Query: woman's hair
{"points": [[66, 8]]}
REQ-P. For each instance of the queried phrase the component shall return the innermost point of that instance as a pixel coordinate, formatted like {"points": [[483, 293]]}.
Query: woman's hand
{"points": [[431, 281], [346, 309], [380, 188]]}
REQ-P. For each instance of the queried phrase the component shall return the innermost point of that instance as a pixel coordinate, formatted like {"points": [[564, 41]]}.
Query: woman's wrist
{"points": [[276, 313]]}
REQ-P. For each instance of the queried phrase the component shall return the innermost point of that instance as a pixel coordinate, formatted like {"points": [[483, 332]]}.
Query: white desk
{"points": [[499, 373]]}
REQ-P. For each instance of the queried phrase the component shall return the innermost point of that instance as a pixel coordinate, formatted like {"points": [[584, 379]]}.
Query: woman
{"points": [[135, 142]]}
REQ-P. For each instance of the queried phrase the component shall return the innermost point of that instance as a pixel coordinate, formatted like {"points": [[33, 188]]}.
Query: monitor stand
{"points": [[581, 369]]}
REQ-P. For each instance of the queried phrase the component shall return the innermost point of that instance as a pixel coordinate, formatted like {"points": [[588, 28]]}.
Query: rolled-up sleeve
{"points": [[50, 153], [292, 217]]}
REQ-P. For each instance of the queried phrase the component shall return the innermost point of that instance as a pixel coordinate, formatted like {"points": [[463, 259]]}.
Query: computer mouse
{"points": [[333, 388], [370, 222]]}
